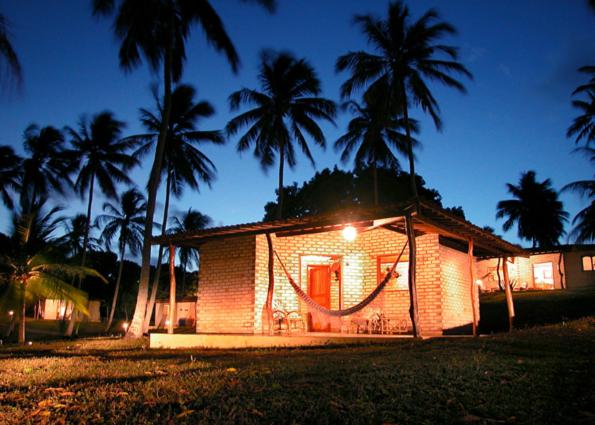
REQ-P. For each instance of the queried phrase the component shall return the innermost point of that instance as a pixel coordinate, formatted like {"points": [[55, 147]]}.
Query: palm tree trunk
{"points": [[280, 190], [183, 286], [87, 224], [375, 175], [74, 314], [155, 287], [136, 328], [23, 317], [117, 288], [409, 142], [413, 307]]}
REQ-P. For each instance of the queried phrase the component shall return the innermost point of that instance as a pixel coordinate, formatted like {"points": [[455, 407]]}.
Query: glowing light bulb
{"points": [[125, 326], [349, 233]]}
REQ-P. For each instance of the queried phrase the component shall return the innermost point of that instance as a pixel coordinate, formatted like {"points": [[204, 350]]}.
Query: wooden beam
{"points": [[268, 305], [473, 286], [508, 292], [172, 289], [413, 309]]}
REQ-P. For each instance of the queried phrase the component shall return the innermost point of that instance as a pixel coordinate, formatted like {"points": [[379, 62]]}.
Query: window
{"points": [[588, 263], [398, 282], [543, 274]]}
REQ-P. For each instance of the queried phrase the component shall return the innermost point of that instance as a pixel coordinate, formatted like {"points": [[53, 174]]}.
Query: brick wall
{"points": [[234, 279], [521, 272], [226, 290], [456, 289], [358, 274]]}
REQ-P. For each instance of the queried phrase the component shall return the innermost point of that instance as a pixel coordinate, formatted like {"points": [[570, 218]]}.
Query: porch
{"points": [[239, 341]]}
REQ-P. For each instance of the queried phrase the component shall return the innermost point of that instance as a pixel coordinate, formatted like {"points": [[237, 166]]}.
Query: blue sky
{"points": [[523, 56]]}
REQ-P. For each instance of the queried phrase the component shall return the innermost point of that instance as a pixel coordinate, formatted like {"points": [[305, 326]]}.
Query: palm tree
{"points": [[373, 134], [405, 53], [47, 167], [185, 164], [72, 241], [584, 221], [103, 156], [288, 105], [158, 31], [127, 221], [7, 53], [10, 174], [535, 209], [583, 126], [190, 221], [35, 269]]}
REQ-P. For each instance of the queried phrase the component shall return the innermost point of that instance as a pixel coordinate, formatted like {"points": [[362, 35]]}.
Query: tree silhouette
{"points": [[190, 221], [583, 126], [584, 221], [158, 30], [102, 157], [48, 166], [8, 56], [10, 175], [125, 220], [536, 211], [287, 106], [185, 163], [373, 134], [330, 191], [405, 54]]}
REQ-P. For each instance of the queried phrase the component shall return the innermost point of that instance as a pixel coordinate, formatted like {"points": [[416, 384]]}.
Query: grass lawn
{"points": [[535, 308], [539, 375]]}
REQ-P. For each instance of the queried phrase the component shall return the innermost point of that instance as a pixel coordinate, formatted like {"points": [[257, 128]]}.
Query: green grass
{"points": [[539, 375], [534, 308], [42, 330]]}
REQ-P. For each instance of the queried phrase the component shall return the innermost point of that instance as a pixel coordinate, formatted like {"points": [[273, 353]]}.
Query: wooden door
{"points": [[319, 289]]}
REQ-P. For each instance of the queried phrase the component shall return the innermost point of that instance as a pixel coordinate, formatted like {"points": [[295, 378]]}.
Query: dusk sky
{"points": [[523, 55]]}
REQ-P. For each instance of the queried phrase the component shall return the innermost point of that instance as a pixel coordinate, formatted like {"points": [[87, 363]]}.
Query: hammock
{"points": [[348, 311]]}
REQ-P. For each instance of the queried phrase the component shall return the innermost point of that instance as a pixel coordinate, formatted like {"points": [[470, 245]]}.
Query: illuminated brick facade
{"points": [[234, 280]]}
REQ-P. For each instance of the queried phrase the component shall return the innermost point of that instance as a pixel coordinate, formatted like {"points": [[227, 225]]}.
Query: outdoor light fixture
{"points": [[11, 313], [349, 233]]}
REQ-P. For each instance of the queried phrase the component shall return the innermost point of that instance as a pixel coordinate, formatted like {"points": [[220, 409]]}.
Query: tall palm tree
{"points": [[405, 54], [10, 175], [373, 133], [48, 166], [535, 209], [35, 268], [72, 241], [584, 221], [158, 31], [583, 126], [287, 107], [8, 54], [127, 222], [189, 222], [184, 163], [103, 158]]}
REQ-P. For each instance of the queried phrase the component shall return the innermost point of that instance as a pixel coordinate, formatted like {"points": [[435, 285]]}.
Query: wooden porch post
{"points": [[413, 310], [268, 305], [472, 277], [172, 289], [508, 292]]}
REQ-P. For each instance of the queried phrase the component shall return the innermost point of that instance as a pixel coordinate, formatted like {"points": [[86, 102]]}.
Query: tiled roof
{"points": [[427, 218]]}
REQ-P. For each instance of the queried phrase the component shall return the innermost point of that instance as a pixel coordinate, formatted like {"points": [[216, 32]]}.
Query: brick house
{"points": [[562, 267], [234, 278]]}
